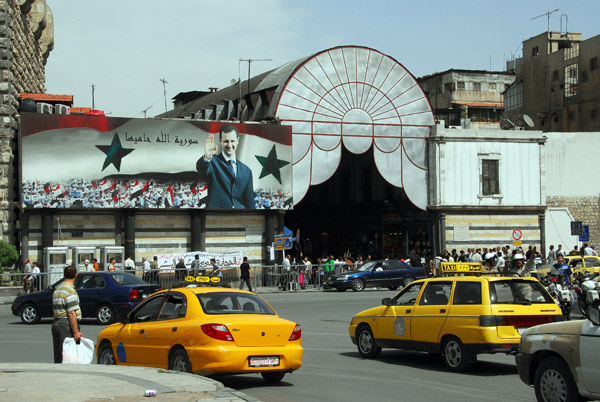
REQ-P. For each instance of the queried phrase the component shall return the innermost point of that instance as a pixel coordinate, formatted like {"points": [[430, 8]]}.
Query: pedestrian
{"points": [[551, 255], [27, 270], [245, 274], [67, 314], [154, 269], [111, 264], [95, 264], [564, 269], [560, 251], [34, 279], [195, 268], [180, 269], [147, 275], [129, 264], [216, 270], [87, 267]]}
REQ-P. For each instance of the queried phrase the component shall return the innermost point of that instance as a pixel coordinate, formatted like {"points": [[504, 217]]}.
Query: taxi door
{"points": [[431, 312], [394, 324], [167, 330], [589, 353], [132, 339]]}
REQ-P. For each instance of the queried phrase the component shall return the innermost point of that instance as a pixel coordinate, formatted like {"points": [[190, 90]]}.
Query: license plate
{"points": [[263, 361]]}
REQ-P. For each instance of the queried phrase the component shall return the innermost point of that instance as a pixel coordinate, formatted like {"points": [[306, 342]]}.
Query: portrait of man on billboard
{"points": [[229, 180]]}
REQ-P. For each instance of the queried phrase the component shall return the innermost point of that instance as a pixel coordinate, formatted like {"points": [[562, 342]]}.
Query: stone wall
{"points": [[26, 39], [584, 209]]}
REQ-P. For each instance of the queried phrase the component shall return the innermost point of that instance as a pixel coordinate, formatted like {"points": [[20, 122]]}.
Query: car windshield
{"points": [[124, 279], [367, 266], [518, 292], [233, 303]]}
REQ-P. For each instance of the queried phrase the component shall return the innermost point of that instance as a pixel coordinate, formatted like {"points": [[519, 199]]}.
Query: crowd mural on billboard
{"points": [[99, 162]]}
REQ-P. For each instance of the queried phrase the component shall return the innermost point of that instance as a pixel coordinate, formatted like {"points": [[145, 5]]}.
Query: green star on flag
{"points": [[114, 153], [271, 165]]}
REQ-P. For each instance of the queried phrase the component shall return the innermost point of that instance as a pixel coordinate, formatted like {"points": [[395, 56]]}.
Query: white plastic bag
{"points": [[78, 354]]}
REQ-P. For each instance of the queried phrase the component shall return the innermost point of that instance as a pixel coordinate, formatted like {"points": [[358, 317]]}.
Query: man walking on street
{"points": [[67, 314], [245, 274]]}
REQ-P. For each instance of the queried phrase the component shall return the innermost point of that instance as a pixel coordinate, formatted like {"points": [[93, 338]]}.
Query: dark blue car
{"points": [[380, 273], [103, 295]]}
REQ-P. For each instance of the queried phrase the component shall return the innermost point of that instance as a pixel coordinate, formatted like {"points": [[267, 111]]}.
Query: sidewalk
{"points": [[92, 382]]}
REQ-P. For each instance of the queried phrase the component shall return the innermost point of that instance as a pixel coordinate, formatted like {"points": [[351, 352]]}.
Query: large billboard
{"points": [[83, 162]]}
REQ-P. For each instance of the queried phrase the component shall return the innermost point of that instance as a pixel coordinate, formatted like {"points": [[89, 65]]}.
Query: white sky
{"points": [[125, 47]]}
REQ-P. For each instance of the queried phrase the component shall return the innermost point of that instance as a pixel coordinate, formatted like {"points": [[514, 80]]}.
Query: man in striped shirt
{"points": [[65, 305]]}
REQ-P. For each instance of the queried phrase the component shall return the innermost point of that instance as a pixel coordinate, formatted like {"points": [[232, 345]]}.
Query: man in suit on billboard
{"points": [[229, 181]]}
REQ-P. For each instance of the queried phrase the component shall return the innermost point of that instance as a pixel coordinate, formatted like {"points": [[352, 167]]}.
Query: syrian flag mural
{"points": [[82, 162]]}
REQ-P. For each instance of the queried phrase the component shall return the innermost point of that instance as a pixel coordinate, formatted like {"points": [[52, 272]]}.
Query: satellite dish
{"points": [[528, 120]]}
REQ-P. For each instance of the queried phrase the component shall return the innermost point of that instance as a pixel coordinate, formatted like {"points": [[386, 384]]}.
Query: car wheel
{"points": [[407, 281], [366, 343], [105, 314], [341, 289], [455, 355], [554, 382], [358, 285], [392, 287], [272, 377], [105, 354], [30, 314], [180, 362]]}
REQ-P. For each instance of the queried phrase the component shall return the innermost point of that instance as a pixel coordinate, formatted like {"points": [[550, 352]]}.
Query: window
{"points": [[460, 85], [571, 51], [571, 84], [233, 303], [476, 86], [467, 293], [555, 75], [409, 295], [436, 294], [149, 311], [513, 97], [174, 307], [594, 63], [518, 291], [535, 51], [92, 282], [591, 262], [492, 86], [489, 177]]}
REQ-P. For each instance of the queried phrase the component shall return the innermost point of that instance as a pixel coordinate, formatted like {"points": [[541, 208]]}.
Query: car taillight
{"points": [[217, 331], [296, 333], [134, 294], [517, 320]]}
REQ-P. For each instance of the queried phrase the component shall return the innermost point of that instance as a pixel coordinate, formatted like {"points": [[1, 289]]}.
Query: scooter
{"points": [[561, 295], [587, 291]]}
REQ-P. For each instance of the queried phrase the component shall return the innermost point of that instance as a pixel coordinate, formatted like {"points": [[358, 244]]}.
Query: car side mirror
{"points": [[122, 319], [386, 301]]}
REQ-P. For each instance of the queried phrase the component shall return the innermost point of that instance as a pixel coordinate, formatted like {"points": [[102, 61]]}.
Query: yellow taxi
{"points": [[583, 264], [204, 330], [458, 317]]}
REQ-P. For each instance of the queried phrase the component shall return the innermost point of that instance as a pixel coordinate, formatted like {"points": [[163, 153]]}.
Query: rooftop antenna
{"points": [[249, 61], [164, 82], [145, 110], [547, 14], [93, 89]]}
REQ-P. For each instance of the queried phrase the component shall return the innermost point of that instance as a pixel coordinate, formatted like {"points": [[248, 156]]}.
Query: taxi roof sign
{"points": [[460, 267]]}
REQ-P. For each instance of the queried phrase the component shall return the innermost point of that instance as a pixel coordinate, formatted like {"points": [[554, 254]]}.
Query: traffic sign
{"points": [[517, 243], [283, 242], [585, 233], [576, 228], [517, 234]]}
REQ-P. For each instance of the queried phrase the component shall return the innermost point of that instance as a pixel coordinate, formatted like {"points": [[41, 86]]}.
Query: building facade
{"points": [[557, 83], [467, 98], [26, 39]]}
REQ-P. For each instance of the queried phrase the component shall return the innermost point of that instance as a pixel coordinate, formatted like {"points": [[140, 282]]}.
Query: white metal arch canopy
{"points": [[357, 97]]}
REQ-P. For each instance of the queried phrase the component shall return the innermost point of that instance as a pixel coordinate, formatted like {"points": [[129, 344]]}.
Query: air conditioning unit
{"points": [[45, 108], [62, 109]]}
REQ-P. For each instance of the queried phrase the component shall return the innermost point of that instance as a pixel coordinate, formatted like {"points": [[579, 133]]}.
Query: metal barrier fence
{"points": [[287, 278]]}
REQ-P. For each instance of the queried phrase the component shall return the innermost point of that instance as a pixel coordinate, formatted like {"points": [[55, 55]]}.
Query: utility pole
{"points": [[547, 14], [93, 89], [164, 82], [249, 61], [145, 110]]}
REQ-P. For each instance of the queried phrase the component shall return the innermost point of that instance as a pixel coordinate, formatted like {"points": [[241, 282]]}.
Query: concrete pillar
{"points": [[380, 229], [24, 237], [118, 241], [442, 232], [47, 231], [542, 222], [198, 225], [130, 234]]}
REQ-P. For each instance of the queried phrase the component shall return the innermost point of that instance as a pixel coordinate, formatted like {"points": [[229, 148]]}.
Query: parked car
{"points": [[561, 360], [379, 273], [204, 330], [103, 295], [458, 317]]}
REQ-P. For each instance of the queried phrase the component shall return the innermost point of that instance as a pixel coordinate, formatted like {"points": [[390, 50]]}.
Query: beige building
{"points": [[467, 98], [557, 83]]}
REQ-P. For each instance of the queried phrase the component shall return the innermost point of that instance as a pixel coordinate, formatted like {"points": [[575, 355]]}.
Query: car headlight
{"points": [[342, 277]]}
